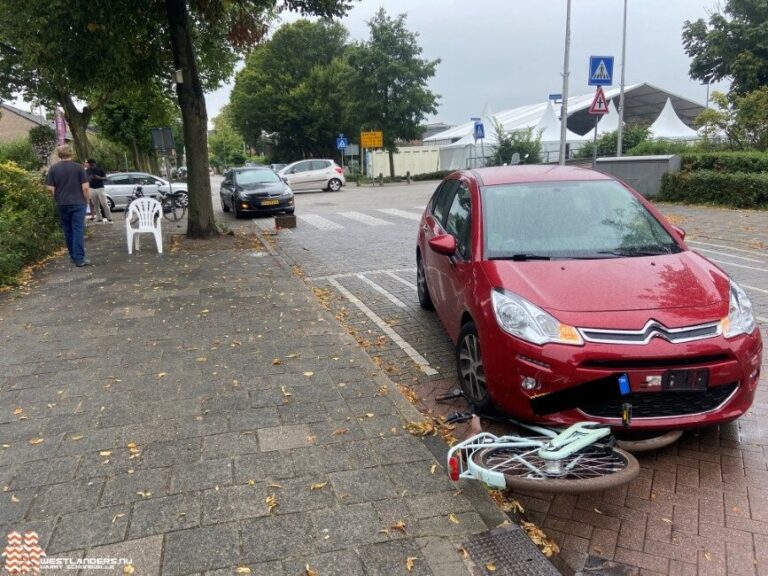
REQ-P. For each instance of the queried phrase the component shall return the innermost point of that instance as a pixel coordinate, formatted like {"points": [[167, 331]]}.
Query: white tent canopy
{"points": [[548, 127], [668, 125]]}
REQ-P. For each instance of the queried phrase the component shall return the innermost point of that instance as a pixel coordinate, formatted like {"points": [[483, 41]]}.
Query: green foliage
{"points": [[633, 135], [439, 175], [110, 156], [293, 93], [523, 142], [659, 147], [43, 141], [21, 152], [730, 45], [28, 222], [225, 146], [730, 162], [737, 190], [388, 84], [742, 120]]}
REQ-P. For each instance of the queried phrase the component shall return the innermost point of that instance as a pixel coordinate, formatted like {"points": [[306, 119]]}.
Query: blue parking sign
{"points": [[600, 71], [341, 143], [479, 132]]}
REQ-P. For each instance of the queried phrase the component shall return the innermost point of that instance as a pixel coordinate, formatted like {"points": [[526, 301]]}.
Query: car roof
{"points": [[533, 173], [246, 168]]}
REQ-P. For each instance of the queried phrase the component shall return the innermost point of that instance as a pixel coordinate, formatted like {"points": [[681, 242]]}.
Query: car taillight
{"points": [[339, 169], [453, 468]]}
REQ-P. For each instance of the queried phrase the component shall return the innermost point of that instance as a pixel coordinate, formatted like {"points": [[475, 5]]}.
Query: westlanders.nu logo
{"points": [[23, 553]]}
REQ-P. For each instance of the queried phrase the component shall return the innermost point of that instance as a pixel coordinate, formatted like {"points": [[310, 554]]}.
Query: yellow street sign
{"points": [[371, 139]]}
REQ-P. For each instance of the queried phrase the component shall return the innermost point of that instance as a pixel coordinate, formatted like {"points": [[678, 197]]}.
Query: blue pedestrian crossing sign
{"points": [[600, 71], [341, 143], [479, 131]]}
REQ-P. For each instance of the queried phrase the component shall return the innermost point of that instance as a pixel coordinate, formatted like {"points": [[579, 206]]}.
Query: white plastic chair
{"points": [[149, 212]]}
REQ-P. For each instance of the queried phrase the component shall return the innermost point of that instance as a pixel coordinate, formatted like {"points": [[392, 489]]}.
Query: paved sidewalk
{"points": [[198, 411]]}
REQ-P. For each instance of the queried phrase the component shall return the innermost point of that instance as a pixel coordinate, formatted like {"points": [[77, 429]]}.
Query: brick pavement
{"points": [[198, 411]]}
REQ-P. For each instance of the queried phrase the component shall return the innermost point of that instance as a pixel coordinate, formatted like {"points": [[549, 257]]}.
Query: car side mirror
{"points": [[443, 244], [293, 170], [679, 231]]}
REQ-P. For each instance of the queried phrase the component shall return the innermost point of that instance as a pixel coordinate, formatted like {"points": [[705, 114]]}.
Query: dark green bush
{"points": [[738, 190], [29, 228], [726, 162], [439, 175], [21, 152], [659, 147]]}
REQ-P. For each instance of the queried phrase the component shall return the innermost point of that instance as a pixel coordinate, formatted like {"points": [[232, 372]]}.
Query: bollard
{"points": [[408, 177], [381, 179]]}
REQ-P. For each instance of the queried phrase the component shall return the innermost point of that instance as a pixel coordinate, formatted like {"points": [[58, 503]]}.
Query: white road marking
{"points": [[410, 285], [764, 291], [739, 265], [753, 252], [365, 219], [366, 272], [401, 213], [319, 222], [420, 361], [391, 297], [761, 319], [730, 255]]}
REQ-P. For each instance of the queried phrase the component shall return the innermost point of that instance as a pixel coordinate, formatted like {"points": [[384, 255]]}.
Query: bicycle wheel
{"points": [[172, 210], [596, 467]]}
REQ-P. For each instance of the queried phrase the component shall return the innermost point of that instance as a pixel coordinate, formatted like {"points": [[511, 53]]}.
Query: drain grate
{"points": [[509, 550]]}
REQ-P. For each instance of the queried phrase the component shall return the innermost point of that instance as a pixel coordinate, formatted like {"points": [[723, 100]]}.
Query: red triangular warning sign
{"points": [[599, 104]]}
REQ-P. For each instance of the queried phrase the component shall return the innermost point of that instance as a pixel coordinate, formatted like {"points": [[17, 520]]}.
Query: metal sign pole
{"points": [[594, 145]]}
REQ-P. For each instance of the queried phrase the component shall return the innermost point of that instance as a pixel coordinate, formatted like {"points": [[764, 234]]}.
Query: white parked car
{"points": [[314, 175], [119, 187]]}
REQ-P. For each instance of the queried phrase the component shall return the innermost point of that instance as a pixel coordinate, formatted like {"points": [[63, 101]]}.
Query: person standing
{"points": [[68, 183], [96, 177]]}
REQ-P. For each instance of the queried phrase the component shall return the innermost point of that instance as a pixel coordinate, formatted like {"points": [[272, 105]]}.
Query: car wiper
{"points": [[522, 257], [637, 252]]}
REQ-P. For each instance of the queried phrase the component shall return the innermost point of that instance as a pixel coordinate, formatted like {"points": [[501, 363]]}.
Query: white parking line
{"points": [[366, 272], [401, 213], [365, 219], [391, 297], [747, 286], [319, 222], [730, 255], [753, 252], [420, 361], [401, 280], [739, 265]]}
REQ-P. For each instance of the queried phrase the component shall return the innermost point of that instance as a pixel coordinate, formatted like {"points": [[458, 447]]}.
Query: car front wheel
{"points": [[425, 300], [334, 185], [470, 368], [224, 207]]}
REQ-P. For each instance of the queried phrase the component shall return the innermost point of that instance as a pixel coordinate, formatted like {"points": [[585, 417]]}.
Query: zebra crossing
{"points": [[330, 222]]}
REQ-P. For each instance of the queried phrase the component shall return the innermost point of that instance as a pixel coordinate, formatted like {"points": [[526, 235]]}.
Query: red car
{"points": [[569, 297]]}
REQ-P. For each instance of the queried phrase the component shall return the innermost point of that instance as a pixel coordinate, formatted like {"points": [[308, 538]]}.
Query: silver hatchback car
{"points": [[119, 187], [313, 175]]}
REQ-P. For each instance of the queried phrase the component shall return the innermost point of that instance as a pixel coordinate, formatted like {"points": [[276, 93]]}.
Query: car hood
{"points": [[615, 284], [271, 188]]}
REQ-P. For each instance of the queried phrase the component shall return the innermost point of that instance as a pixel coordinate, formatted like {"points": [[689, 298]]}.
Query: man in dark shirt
{"points": [[96, 177], [68, 184]]}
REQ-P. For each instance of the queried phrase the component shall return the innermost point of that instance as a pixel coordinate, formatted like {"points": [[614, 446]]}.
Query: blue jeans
{"points": [[72, 218]]}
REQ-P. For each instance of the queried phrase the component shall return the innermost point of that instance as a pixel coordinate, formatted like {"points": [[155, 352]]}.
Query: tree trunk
{"points": [[135, 154], [200, 222], [78, 123], [391, 165]]}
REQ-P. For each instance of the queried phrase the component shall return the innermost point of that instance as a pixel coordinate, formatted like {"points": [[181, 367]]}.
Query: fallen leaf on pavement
{"points": [[162, 374], [275, 485], [76, 438], [399, 526], [128, 569], [18, 411], [14, 499], [432, 468], [105, 453], [452, 518], [707, 555], [309, 571], [242, 570], [276, 362], [271, 503], [463, 552], [409, 562], [491, 567], [340, 431], [36, 440], [144, 494], [318, 486], [309, 374], [116, 517]]}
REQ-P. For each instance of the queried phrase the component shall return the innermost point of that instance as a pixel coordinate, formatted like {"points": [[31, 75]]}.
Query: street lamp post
{"points": [[564, 108], [620, 133]]}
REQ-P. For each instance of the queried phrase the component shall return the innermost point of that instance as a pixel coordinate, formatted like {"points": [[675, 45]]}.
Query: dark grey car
{"points": [[256, 190]]}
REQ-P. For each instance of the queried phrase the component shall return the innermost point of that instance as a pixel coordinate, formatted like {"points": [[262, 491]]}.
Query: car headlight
{"points": [[741, 317], [520, 318]]}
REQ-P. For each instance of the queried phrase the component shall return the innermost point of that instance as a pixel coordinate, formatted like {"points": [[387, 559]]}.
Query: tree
{"points": [[43, 140], [292, 93], [633, 135], [388, 85], [226, 147], [741, 120], [522, 142], [731, 45]]}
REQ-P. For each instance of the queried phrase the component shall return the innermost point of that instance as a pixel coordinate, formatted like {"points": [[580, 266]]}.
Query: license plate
{"points": [[270, 202], [693, 379]]}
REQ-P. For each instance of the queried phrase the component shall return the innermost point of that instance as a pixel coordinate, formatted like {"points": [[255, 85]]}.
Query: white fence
{"points": [[413, 159]]}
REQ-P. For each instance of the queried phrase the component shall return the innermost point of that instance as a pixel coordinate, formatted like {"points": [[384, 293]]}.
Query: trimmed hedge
{"points": [[439, 175], [739, 190], [732, 162], [29, 229]]}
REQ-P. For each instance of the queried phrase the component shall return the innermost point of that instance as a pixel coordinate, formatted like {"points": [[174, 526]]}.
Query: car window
{"points": [[443, 200], [250, 177], [459, 220], [119, 179], [320, 164], [585, 219], [302, 166]]}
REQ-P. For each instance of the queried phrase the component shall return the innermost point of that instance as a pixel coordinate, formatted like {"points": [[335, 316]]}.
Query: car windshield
{"points": [[251, 177], [581, 219]]}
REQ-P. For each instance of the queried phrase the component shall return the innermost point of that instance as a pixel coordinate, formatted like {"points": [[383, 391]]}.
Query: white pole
{"points": [[564, 108], [620, 134]]}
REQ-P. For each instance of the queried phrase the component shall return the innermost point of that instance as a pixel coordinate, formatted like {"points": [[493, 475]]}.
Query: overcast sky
{"points": [[499, 54]]}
